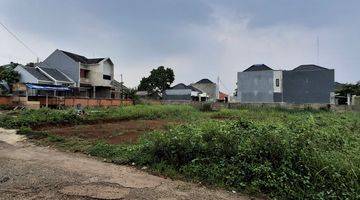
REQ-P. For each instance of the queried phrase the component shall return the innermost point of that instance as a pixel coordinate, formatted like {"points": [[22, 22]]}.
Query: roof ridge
{"points": [[81, 58]]}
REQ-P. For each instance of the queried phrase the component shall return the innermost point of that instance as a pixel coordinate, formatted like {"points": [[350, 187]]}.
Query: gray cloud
{"points": [[197, 38]]}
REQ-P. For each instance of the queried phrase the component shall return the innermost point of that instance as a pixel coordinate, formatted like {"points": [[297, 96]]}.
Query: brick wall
{"points": [[85, 102], [5, 100]]}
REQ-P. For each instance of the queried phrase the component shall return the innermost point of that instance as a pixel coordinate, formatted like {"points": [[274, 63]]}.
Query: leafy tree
{"points": [[9, 75], [159, 80], [353, 89]]}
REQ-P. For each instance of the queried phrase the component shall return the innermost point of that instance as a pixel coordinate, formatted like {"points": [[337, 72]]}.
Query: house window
{"points": [[277, 82], [84, 73], [106, 77]]}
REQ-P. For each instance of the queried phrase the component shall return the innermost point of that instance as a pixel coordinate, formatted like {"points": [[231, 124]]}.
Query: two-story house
{"points": [[92, 76]]}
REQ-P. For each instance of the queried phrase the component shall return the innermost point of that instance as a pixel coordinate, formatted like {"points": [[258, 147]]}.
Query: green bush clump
{"points": [[302, 159], [206, 107]]}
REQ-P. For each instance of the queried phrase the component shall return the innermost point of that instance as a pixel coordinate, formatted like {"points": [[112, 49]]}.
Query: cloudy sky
{"points": [[197, 38]]}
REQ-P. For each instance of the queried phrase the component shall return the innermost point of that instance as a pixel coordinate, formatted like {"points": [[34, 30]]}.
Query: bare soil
{"points": [[114, 132]]}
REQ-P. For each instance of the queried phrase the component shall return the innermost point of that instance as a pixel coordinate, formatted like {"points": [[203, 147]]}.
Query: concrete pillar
{"points": [[348, 99], [94, 92]]}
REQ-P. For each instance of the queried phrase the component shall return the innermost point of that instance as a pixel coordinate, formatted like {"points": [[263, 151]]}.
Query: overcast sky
{"points": [[197, 38]]}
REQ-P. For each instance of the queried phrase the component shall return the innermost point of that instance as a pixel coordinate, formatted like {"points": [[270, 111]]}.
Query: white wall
{"points": [[108, 68], [98, 70], [278, 75]]}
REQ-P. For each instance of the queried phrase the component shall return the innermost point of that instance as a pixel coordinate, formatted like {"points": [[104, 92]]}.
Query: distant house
{"points": [[309, 84], [208, 87], [184, 92], [117, 89], [93, 76], [304, 84], [223, 97], [41, 77]]}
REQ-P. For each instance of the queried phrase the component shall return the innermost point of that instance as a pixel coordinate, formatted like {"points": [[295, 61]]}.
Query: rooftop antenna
{"points": [[317, 50]]}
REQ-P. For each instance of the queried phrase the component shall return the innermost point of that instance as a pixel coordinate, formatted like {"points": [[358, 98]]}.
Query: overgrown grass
{"points": [[285, 154], [44, 116]]}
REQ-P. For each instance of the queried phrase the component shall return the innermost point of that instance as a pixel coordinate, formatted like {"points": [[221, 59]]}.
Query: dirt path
{"points": [[32, 172]]}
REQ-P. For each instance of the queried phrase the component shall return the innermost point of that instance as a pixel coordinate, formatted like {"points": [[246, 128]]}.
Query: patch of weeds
{"points": [[31, 134], [116, 133], [55, 138]]}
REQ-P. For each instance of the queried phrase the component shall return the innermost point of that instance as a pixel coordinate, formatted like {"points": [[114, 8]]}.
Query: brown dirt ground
{"points": [[32, 172], [113, 133]]}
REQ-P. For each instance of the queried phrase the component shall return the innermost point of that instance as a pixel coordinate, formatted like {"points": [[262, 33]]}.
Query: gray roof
{"points": [[205, 80], [82, 59], [309, 67], [258, 67], [37, 73], [179, 86], [118, 84], [56, 74], [183, 86]]}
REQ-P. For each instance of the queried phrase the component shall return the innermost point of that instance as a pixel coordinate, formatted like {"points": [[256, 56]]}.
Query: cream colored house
{"points": [[93, 76]]}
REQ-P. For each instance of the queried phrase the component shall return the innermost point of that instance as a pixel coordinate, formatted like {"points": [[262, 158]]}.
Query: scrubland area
{"points": [[283, 154]]}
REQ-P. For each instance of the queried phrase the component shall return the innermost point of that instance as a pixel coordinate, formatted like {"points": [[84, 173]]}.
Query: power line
{"points": [[18, 39]]}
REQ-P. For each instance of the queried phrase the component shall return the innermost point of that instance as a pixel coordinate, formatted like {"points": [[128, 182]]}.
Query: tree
{"points": [[353, 89], [159, 80], [9, 75]]}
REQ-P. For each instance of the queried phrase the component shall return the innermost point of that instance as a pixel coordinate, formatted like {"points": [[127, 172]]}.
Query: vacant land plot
{"points": [[285, 154], [114, 133]]}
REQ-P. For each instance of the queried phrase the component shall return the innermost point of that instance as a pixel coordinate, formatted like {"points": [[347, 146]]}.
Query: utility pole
{"points": [[121, 87], [218, 87]]}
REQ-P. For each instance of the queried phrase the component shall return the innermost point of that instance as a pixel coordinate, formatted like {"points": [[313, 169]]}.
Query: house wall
{"points": [[308, 86], [65, 64], [177, 94], [25, 76], [210, 89], [98, 70], [255, 87]]}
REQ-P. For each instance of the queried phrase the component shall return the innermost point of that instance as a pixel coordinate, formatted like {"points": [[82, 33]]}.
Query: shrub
{"points": [[303, 159], [206, 107]]}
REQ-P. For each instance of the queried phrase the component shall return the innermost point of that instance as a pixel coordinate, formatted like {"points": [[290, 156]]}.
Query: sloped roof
{"points": [[37, 73], [118, 84], [179, 86], [309, 67], [194, 89], [56, 74], [82, 59], [204, 81], [183, 86], [258, 67]]}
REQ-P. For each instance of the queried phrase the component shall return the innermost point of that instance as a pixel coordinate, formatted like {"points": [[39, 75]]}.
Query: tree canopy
{"points": [[9, 75], [159, 80], [353, 89]]}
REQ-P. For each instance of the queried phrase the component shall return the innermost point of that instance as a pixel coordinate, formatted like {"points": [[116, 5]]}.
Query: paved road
{"points": [[32, 172]]}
